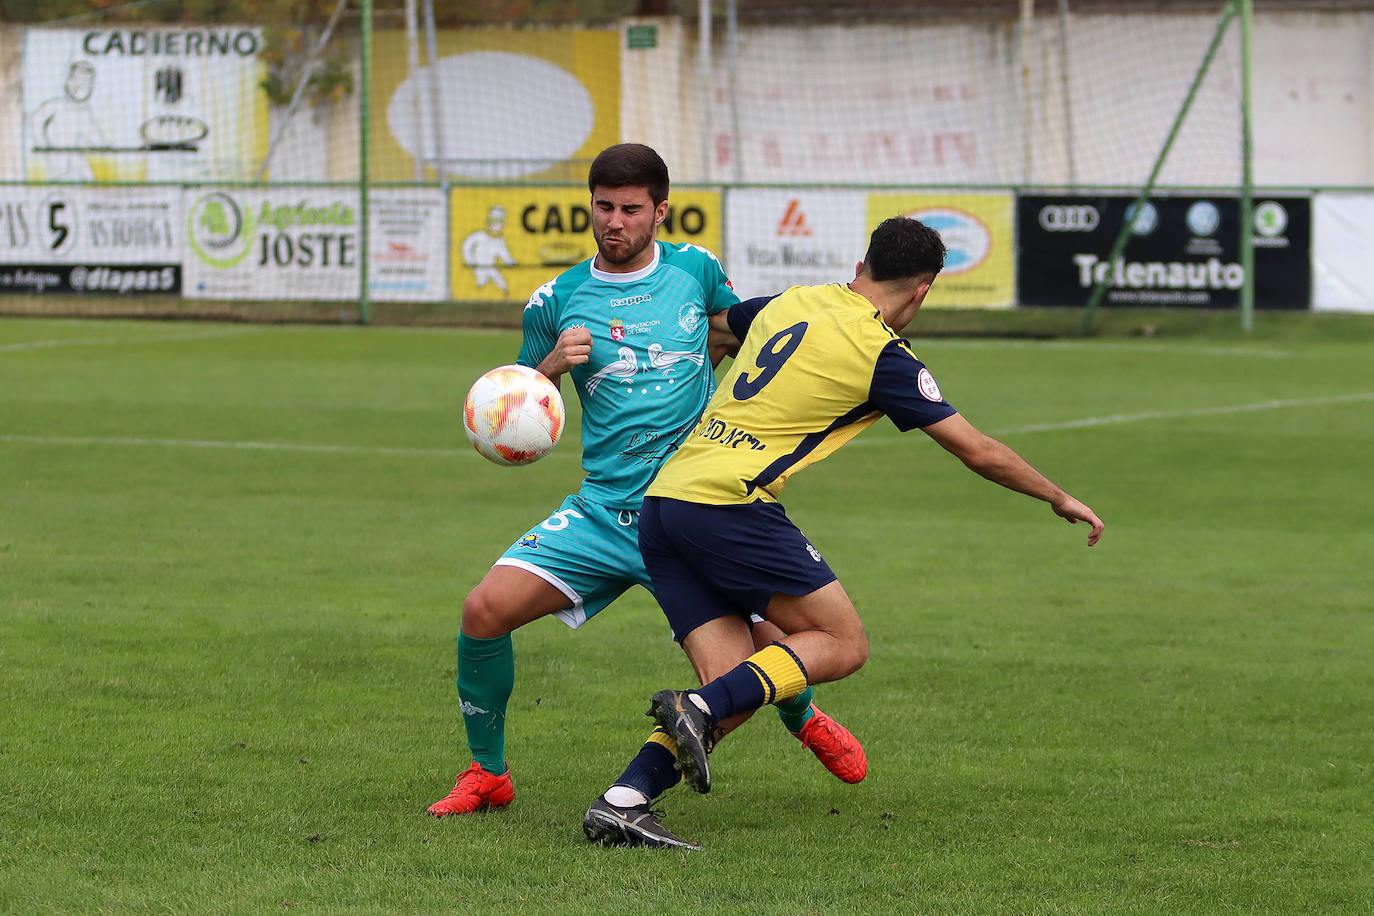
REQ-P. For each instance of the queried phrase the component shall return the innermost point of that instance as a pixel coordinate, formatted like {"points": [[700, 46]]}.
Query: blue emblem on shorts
{"points": [[530, 540]]}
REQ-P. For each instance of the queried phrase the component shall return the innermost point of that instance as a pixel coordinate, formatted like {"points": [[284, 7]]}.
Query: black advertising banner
{"points": [[100, 279], [1183, 250]]}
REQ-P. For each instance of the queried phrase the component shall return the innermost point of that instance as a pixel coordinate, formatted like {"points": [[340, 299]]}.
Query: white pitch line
{"points": [[1188, 412], [92, 341], [1146, 348], [448, 452], [242, 446]]}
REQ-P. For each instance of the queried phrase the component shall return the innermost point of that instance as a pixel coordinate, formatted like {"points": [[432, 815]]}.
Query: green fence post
{"points": [[364, 114], [1247, 181]]}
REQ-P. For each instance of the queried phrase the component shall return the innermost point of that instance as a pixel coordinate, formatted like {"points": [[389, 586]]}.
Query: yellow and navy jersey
{"points": [[817, 366]]}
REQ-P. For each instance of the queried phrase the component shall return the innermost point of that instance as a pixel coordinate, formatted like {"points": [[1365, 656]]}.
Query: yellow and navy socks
{"points": [[652, 772], [771, 674]]}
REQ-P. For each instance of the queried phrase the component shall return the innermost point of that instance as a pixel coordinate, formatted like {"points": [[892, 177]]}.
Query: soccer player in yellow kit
{"points": [[817, 366]]}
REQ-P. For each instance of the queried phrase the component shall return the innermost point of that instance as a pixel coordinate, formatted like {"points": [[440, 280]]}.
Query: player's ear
{"points": [[858, 269], [660, 213], [922, 287]]}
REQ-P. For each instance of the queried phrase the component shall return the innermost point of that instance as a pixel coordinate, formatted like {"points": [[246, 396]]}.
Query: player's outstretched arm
{"points": [[574, 347], [997, 462]]}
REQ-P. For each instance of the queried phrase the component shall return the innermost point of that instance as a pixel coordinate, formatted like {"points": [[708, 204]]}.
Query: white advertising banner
{"points": [[303, 243], [147, 103], [90, 240], [408, 245], [288, 243], [1342, 239], [777, 238]]}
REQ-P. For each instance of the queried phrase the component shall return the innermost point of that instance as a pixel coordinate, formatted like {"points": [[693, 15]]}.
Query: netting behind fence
{"points": [[172, 169]]}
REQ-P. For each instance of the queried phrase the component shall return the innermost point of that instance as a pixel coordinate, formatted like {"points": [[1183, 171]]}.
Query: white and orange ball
{"points": [[513, 415]]}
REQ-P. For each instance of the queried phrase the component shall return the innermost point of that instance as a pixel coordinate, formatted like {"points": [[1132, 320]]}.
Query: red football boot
{"points": [[478, 790], [834, 746]]}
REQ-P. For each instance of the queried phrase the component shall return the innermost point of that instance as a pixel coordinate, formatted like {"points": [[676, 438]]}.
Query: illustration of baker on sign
{"points": [[65, 131], [485, 251]]}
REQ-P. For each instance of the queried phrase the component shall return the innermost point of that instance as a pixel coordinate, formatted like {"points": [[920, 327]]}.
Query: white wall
{"points": [[985, 103], [1314, 99]]}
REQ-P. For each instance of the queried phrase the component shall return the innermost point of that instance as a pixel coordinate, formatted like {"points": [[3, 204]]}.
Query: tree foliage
{"points": [[293, 27], [304, 12]]}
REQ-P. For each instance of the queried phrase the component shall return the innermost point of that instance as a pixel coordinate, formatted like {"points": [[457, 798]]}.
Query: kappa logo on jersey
{"points": [[472, 709], [529, 541], [929, 389], [793, 221], [617, 330], [815, 554], [688, 246], [538, 297]]}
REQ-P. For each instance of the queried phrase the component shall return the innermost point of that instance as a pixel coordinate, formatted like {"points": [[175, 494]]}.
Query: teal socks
{"points": [[796, 712], [486, 677]]}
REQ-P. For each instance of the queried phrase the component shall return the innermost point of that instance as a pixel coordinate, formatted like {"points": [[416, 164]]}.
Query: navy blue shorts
{"points": [[713, 561]]}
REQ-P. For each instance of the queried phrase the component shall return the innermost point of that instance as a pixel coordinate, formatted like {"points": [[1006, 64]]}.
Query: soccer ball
{"points": [[513, 415]]}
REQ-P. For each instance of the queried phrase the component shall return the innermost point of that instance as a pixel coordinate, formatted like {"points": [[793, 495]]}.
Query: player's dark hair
{"points": [[630, 165], [903, 247]]}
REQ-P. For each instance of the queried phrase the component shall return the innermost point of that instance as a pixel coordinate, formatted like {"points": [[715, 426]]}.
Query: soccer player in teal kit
{"points": [[817, 366], [638, 329]]}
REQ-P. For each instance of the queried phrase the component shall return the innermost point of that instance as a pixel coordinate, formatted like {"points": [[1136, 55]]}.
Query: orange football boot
{"points": [[834, 746], [477, 790]]}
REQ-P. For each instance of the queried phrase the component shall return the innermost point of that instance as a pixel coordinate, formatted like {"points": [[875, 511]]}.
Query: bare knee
{"points": [[850, 651], [485, 615], [857, 646], [506, 599]]}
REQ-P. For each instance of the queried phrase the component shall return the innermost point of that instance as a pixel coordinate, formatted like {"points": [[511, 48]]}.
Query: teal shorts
{"points": [[587, 551]]}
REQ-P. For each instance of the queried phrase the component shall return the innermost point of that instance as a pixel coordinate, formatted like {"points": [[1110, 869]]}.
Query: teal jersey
{"points": [[649, 375]]}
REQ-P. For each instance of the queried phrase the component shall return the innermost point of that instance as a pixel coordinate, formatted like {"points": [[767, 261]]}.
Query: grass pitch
{"points": [[232, 560]]}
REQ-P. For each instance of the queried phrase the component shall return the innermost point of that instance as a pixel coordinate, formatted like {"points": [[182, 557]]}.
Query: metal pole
{"points": [[364, 174], [1064, 89], [413, 68], [1100, 288], [704, 81], [435, 103], [1247, 180], [732, 69], [1027, 117]]}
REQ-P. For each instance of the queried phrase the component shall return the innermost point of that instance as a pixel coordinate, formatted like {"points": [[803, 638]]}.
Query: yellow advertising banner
{"points": [[977, 231], [497, 105], [508, 240]]}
